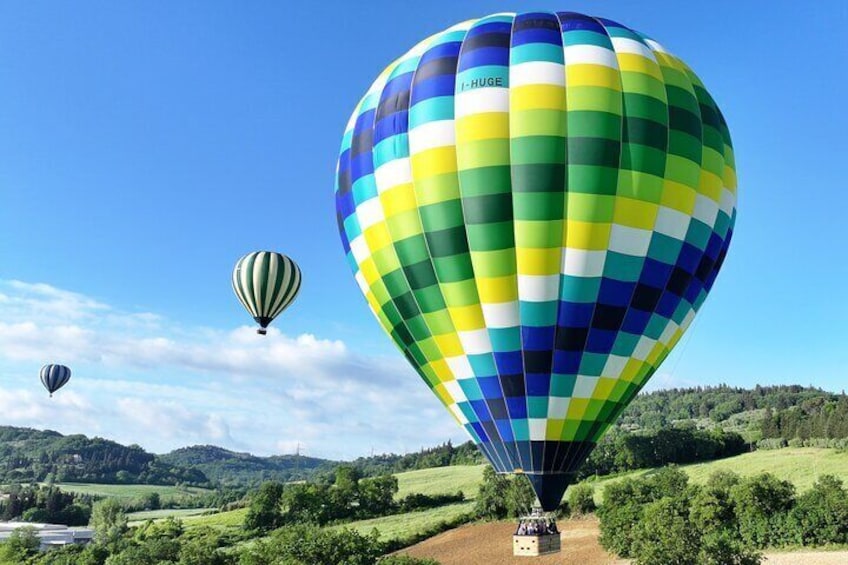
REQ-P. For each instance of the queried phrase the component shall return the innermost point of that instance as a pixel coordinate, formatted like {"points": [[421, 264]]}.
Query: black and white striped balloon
{"points": [[266, 283], [54, 377]]}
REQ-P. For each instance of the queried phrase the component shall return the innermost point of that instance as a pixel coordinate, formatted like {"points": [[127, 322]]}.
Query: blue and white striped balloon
{"points": [[54, 377]]}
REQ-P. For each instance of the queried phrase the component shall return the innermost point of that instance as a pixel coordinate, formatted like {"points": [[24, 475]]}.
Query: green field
{"points": [[229, 519], [401, 526], [130, 491], [799, 465], [138, 517], [441, 480]]}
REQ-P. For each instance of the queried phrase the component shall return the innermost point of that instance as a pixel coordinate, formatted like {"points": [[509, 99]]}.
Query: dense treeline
{"points": [[282, 524], [813, 418], [620, 451], [168, 542], [28, 455], [34, 503], [225, 467], [350, 497], [660, 408], [661, 518], [440, 456]]}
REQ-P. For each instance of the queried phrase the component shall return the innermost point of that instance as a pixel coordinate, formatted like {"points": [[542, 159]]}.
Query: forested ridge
{"points": [[28, 455], [667, 426]]}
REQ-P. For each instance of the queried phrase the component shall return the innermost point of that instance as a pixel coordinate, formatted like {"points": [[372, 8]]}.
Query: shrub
{"points": [[665, 534], [821, 514], [762, 504], [581, 499]]}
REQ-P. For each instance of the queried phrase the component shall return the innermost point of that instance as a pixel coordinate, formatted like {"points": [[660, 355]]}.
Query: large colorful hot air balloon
{"points": [[535, 207], [54, 377], [266, 283]]}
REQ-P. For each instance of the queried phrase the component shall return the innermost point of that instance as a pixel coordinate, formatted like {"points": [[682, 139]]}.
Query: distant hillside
{"points": [[32, 455], [731, 408], [782, 415], [227, 467]]}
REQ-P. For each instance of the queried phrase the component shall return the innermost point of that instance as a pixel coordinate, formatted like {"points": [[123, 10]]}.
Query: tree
{"points": [[20, 546], [491, 500], [305, 545], [581, 499], [762, 504], [376, 496], [264, 513], [200, 546], [665, 534], [109, 521], [821, 514], [502, 496]]}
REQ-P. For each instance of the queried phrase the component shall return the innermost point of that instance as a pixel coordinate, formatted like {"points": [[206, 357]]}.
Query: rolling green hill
{"points": [[226, 467], [28, 455]]}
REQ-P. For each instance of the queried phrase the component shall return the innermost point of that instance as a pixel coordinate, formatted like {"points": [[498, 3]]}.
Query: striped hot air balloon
{"points": [[266, 283], [535, 206], [54, 377]]}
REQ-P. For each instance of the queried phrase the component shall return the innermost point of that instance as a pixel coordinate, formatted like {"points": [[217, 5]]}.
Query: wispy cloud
{"points": [[141, 378]]}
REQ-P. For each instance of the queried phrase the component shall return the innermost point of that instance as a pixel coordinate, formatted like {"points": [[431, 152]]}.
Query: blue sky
{"points": [[145, 147]]}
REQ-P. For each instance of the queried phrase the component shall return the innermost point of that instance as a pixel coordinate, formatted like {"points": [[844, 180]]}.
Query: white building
{"points": [[50, 535]]}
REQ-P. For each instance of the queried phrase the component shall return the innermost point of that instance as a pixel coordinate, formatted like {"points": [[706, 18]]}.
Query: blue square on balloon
{"points": [[490, 386], [566, 362], [575, 314], [692, 291], [655, 273], [505, 430], [600, 341], [667, 304], [481, 409], [537, 338], [517, 407], [509, 362], [689, 258], [481, 433], [616, 293], [537, 384], [635, 321]]}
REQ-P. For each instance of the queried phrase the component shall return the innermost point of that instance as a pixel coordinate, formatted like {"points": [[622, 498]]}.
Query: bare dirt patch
{"points": [[491, 544], [807, 558]]}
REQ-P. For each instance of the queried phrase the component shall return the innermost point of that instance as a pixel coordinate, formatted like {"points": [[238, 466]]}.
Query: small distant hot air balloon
{"points": [[536, 206], [266, 283], [54, 377]]}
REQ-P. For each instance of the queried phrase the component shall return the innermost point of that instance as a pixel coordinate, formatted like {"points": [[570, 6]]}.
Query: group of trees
{"points": [[661, 518], [28, 455], [679, 445], [660, 408], [34, 503], [815, 418], [440, 456], [169, 543], [350, 497]]}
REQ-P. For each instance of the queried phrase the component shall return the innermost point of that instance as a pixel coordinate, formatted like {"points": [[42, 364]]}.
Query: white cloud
{"points": [[140, 378]]}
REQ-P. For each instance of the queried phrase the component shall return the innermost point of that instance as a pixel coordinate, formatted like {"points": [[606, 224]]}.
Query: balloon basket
{"points": [[536, 535], [262, 331]]}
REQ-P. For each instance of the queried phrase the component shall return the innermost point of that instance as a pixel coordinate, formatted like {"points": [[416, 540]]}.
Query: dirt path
{"points": [[491, 544], [807, 558]]}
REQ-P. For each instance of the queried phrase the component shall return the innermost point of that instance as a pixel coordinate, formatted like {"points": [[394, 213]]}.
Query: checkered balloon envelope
{"points": [[535, 206]]}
